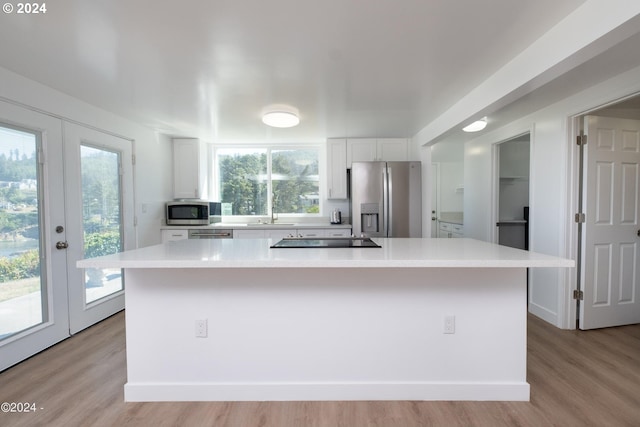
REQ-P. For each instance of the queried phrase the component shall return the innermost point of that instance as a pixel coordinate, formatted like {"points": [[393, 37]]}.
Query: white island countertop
{"points": [[394, 253]]}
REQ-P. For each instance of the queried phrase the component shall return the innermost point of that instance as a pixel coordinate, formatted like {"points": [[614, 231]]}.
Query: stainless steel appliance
{"points": [[210, 233], [386, 199], [187, 212]]}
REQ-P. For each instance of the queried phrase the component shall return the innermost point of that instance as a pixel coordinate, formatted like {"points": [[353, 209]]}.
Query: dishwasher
{"points": [[210, 233]]}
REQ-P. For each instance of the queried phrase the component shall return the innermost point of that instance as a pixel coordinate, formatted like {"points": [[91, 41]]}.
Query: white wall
{"points": [[553, 191], [153, 183]]}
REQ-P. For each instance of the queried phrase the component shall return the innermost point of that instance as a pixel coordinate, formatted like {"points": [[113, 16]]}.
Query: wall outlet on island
{"points": [[201, 328], [449, 324]]}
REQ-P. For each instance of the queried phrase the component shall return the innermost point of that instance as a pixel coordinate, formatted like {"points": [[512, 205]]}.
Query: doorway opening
{"points": [[607, 223], [512, 166]]}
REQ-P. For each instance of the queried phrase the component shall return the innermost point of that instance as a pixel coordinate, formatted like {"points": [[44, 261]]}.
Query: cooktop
{"points": [[326, 242]]}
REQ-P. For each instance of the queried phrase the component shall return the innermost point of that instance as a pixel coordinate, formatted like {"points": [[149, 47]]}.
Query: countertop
{"points": [[242, 226], [394, 253]]}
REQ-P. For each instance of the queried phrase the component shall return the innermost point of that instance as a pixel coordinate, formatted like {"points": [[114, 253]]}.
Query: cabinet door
{"points": [[169, 235], [187, 173], [392, 149], [337, 168], [338, 232], [361, 150], [248, 234], [311, 232], [279, 234]]}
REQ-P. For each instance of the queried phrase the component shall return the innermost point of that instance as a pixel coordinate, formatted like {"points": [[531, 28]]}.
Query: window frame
{"points": [[215, 176]]}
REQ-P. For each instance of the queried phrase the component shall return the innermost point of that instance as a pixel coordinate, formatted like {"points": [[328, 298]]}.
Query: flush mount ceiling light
{"points": [[476, 126], [280, 116]]}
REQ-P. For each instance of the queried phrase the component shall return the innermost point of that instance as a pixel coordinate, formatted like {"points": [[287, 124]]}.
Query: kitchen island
{"points": [[417, 319]]}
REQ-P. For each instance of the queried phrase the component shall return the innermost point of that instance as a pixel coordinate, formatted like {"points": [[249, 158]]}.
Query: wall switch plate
{"points": [[201, 328], [449, 324]]}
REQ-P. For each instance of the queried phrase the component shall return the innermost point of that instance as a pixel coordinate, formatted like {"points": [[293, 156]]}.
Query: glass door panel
{"points": [[99, 187], [33, 271], [101, 218], [23, 289]]}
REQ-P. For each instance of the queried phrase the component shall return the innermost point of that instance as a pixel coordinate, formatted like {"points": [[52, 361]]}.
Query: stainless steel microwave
{"points": [[187, 212]]}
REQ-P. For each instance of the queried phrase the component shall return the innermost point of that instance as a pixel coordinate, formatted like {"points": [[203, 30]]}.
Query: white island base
{"points": [[326, 324], [318, 334]]}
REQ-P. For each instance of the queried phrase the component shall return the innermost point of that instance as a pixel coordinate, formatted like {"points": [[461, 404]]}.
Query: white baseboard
{"points": [[158, 392]]}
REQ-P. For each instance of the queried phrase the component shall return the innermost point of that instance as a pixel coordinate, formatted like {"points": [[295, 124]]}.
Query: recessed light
{"points": [[476, 126]]}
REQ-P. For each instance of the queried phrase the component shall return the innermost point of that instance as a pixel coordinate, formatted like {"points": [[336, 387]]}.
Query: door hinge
{"points": [[133, 159], [577, 294], [135, 221], [581, 140], [580, 218]]}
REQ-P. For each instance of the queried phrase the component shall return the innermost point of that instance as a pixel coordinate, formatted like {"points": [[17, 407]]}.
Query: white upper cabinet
{"points": [[337, 168], [381, 149], [361, 150], [392, 149], [189, 169]]}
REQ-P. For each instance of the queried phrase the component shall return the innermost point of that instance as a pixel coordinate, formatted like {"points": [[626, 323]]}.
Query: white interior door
{"points": [[610, 252], [33, 274], [99, 194]]}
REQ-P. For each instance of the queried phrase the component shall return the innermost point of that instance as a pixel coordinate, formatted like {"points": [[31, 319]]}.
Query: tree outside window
{"points": [[248, 176]]}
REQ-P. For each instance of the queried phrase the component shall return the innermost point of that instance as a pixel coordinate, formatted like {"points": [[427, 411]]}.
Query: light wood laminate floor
{"points": [[577, 378]]}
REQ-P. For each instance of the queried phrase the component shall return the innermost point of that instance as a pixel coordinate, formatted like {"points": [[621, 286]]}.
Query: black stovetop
{"points": [[326, 242]]}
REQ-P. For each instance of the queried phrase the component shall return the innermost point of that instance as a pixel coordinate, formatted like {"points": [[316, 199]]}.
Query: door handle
{"points": [[62, 245], [638, 233]]}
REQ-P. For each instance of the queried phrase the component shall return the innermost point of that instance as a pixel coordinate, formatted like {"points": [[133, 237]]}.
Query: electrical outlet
{"points": [[201, 328], [449, 324]]}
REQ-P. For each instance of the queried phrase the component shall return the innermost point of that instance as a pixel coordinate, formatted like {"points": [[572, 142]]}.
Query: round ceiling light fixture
{"points": [[280, 116], [476, 126]]}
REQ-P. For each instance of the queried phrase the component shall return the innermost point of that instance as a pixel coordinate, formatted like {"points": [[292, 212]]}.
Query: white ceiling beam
{"points": [[587, 32]]}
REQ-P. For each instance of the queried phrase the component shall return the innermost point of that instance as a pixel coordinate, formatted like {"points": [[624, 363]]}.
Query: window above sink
{"points": [[261, 180]]}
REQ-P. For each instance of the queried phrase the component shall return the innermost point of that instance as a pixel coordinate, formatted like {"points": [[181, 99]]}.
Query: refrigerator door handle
{"points": [[388, 203]]}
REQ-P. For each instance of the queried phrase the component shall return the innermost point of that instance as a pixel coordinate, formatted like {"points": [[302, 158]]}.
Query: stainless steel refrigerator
{"points": [[386, 199]]}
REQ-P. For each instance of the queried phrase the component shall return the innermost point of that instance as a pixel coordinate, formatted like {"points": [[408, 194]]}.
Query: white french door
{"points": [[33, 277], [99, 197], [611, 232], [66, 193]]}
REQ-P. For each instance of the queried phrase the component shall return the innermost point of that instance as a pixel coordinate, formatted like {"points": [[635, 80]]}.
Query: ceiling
{"points": [[353, 68]]}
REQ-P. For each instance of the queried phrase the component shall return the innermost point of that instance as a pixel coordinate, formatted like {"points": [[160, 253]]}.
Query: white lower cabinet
{"points": [[178, 234], [450, 230], [279, 234], [248, 234], [300, 232], [338, 232]]}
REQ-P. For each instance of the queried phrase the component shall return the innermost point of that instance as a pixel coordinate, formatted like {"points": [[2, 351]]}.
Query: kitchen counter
{"points": [[258, 226], [418, 319], [256, 253]]}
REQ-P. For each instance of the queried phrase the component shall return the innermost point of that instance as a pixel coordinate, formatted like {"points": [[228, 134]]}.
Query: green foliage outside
{"points": [[23, 266], [16, 167], [19, 208], [98, 244], [241, 183], [294, 180]]}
